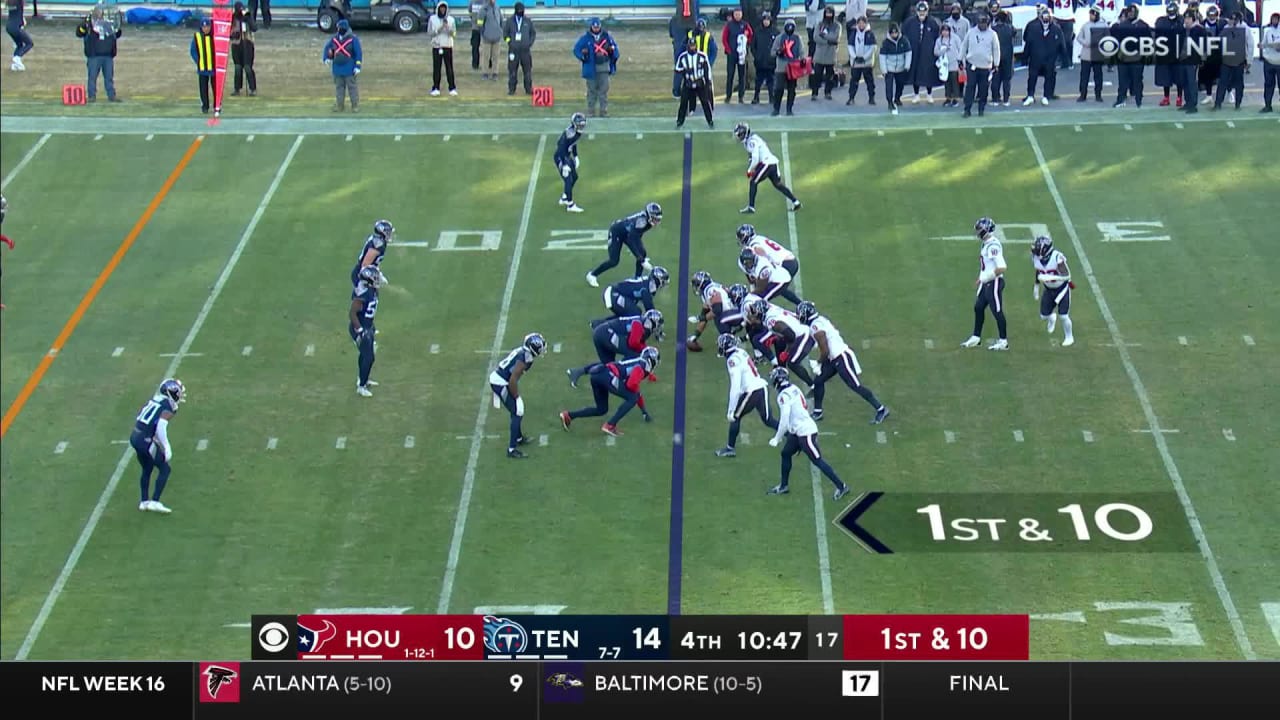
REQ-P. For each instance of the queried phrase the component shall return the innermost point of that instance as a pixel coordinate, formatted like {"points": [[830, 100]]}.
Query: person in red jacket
{"points": [[620, 378], [4, 208], [736, 41]]}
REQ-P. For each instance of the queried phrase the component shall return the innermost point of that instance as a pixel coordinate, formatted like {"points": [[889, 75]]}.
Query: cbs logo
{"points": [[273, 637]]}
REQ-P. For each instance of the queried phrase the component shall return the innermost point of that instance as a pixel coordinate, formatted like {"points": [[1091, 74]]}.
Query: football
{"points": [[692, 345]]}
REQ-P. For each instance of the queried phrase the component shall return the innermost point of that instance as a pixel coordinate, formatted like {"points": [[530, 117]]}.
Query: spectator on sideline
{"points": [[100, 37], [1091, 60], [1064, 14], [520, 34], [490, 34], [679, 27], [895, 66], [443, 29], [1168, 74], [947, 49], [980, 51], [343, 55], [1002, 75], [1042, 43], [922, 32], [1189, 60], [15, 25], [762, 54], [827, 38], [1236, 56], [898, 12], [736, 39], [598, 54], [812, 16], [695, 68], [1270, 61], [266, 12], [475, 10], [862, 58], [1211, 68], [960, 25], [787, 48], [242, 29], [202, 56], [1131, 69]]}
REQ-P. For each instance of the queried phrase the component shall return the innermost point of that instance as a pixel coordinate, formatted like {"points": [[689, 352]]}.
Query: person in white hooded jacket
{"points": [[1270, 61]]}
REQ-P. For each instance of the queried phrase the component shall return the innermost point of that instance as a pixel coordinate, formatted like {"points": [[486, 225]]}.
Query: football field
{"points": [[1131, 478]]}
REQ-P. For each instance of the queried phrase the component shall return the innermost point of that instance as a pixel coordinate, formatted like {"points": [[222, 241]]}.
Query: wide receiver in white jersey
{"points": [[747, 391], [835, 357], [769, 250], [762, 166], [1052, 272], [800, 432], [991, 267]]}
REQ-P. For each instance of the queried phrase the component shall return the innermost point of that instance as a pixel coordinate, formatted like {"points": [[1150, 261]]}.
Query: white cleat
{"points": [[693, 320], [646, 265], [157, 506], [1044, 101], [363, 391], [915, 99], [573, 208], [999, 345], [973, 341], [564, 200], [144, 506], [1068, 342], [1053, 323], [816, 367], [591, 280]]}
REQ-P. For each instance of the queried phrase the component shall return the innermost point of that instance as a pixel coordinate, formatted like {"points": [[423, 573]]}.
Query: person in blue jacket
{"points": [[343, 55], [598, 54]]}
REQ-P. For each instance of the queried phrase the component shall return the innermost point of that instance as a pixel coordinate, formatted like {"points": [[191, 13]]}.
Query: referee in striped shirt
{"points": [[695, 69]]}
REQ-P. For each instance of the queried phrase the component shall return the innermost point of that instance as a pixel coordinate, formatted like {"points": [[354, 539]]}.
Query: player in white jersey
{"points": [[800, 432], [717, 307], [766, 248], [766, 279], [790, 339], [991, 267], [747, 391], [1052, 272], [762, 166], [835, 357]]}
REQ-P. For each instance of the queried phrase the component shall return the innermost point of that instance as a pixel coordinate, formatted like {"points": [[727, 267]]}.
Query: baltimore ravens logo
{"points": [[503, 636], [564, 680], [218, 676]]}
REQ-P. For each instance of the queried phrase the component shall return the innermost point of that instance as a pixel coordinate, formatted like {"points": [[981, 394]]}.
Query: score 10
{"points": [[1135, 525]]}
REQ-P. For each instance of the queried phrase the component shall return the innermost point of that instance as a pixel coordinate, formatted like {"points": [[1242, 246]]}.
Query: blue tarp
{"points": [[155, 16]]}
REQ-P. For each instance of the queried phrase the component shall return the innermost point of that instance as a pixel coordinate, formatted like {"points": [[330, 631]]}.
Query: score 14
{"points": [[645, 638]]}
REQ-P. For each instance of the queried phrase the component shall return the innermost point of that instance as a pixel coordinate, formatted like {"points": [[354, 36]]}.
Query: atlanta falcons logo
{"points": [[218, 677]]}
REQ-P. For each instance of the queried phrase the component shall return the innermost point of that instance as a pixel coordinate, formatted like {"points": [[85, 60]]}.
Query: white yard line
{"points": [[94, 517], [819, 508], [1153, 422], [477, 435], [26, 159]]}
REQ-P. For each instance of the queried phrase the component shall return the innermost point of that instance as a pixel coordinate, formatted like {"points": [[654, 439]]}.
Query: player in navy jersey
{"points": [[364, 305], [620, 378], [374, 250], [629, 231], [150, 441], [625, 336], [4, 208], [566, 159], [504, 381], [634, 295]]}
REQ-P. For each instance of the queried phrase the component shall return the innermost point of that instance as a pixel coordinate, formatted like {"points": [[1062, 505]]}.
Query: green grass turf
{"points": [[584, 524]]}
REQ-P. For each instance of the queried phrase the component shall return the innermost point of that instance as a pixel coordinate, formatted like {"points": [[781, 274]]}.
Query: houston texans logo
{"points": [[310, 641], [218, 676]]}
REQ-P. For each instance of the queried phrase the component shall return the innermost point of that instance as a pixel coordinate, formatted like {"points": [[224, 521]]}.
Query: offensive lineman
{"points": [[629, 231], [620, 378], [504, 382], [991, 266], [364, 305], [835, 357], [566, 159], [150, 441], [747, 391], [762, 166], [801, 433], [374, 250], [784, 324], [716, 306], [1052, 272]]}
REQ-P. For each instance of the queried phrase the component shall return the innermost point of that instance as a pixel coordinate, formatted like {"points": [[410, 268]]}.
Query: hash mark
{"points": [[247, 351], [745, 438], [249, 139], [610, 440], [446, 138], [150, 137], [866, 344], [202, 444], [879, 133], [310, 351], [1231, 123], [117, 352], [977, 131], [555, 348], [1017, 436], [271, 443], [1088, 436], [435, 349], [60, 448], [1079, 129], [543, 440], [881, 437], [831, 133], [408, 441], [97, 137], [950, 436], [591, 136], [928, 344], [397, 138], [1179, 125], [1248, 340], [929, 132], [341, 444], [1127, 126], [1230, 436], [348, 138], [1182, 339], [639, 136]]}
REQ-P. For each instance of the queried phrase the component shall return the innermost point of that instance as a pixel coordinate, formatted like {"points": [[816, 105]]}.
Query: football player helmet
{"points": [[370, 275], [726, 344], [654, 212], [742, 131], [747, 259], [700, 281], [746, 231], [652, 320], [650, 356], [1042, 248], [384, 229], [173, 389], [779, 378], [807, 312], [984, 227], [757, 310], [4, 207], [578, 121], [659, 277], [737, 293], [535, 343]]}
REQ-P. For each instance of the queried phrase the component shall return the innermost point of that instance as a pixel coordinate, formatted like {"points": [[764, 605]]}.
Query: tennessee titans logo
{"points": [[310, 641], [503, 636]]}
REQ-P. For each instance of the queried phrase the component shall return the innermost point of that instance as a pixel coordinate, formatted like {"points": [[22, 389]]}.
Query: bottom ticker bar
{"points": [[671, 690]]}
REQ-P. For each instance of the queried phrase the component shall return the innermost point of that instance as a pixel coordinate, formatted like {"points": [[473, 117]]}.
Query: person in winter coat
{"points": [[762, 55], [736, 40], [1129, 32], [1042, 44], [980, 52], [1091, 60], [787, 48], [959, 24], [442, 29], [812, 17], [947, 49], [1270, 61], [100, 36], [15, 25], [922, 32], [519, 33], [242, 49], [899, 10], [202, 56], [475, 10], [827, 38], [344, 57], [1237, 55], [1189, 60], [598, 53], [1211, 68], [862, 58], [1002, 75], [490, 36], [895, 66], [1169, 75]]}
